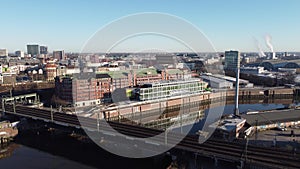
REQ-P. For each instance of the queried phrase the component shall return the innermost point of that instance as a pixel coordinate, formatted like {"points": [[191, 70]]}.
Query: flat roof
{"points": [[174, 71], [145, 72], [231, 79], [228, 124], [272, 117], [214, 79], [116, 74], [162, 82]]}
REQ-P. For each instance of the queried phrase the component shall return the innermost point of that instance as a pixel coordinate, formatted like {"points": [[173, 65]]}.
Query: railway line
{"points": [[214, 149]]}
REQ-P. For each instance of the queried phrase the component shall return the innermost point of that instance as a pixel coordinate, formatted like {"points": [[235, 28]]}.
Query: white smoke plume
{"points": [[268, 39], [259, 48]]}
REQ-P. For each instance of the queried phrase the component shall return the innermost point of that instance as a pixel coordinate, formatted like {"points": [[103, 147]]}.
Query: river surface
{"points": [[45, 151]]}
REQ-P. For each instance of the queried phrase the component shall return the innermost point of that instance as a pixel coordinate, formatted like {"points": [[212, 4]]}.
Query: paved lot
{"points": [[272, 117], [283, 139]]}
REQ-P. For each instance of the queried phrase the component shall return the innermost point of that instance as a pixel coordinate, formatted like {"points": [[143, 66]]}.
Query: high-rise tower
{"points": [[232, 62]]}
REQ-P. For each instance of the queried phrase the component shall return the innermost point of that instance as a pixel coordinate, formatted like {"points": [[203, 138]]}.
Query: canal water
{"points": [[60, 151]]}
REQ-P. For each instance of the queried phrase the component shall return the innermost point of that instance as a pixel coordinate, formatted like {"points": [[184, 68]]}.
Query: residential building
{"points": [[50, 70]]}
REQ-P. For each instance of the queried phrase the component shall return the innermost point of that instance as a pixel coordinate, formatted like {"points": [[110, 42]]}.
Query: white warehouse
{"points": [[217, 83]]}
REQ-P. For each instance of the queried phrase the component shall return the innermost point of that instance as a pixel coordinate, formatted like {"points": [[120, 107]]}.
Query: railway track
{"points": [[211, 148]]}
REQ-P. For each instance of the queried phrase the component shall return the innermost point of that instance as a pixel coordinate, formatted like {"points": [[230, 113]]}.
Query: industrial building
{"points": [[242, 82], [272, 119], [217, 83], [276, 64], [221, 81], [252, 70], [229, 128]]}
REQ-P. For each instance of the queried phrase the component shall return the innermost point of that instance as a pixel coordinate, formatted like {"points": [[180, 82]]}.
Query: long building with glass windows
{"points": [[166, 89]]}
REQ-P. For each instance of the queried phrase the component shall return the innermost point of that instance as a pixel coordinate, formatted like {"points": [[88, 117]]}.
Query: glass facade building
{"points": [[232, 60], [166, 89], [33, 50]]}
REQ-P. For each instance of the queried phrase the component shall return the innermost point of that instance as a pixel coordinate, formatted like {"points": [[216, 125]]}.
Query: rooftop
{"points": [[145, 72], [213, 79], [229, 123], [174, 71], [116, 74], [271, 117]]}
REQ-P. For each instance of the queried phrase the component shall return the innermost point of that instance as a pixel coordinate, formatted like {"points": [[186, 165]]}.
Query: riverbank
{"points": [[60, 145], [123, 109]]}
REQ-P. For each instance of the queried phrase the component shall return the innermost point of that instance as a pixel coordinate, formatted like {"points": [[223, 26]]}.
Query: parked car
{"points": [[281, 128]]}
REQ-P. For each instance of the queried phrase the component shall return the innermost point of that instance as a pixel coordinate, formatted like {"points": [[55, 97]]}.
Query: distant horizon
{"points": [[294, 52]]}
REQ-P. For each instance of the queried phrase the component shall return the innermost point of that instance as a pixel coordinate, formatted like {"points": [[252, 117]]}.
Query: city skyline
{"points": [[240, 26]]}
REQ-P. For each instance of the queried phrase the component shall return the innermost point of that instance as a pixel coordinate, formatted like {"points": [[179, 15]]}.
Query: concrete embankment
{"points": [[221, 97]]}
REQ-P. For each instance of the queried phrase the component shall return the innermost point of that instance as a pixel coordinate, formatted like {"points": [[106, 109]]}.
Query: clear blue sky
{"points": [[230, 24]]}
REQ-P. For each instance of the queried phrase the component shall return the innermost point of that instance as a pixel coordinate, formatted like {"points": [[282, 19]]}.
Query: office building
{"points": [[43, 50], [232, 60], [59, 55], [19, 54], [33, 50], [166, 89]]}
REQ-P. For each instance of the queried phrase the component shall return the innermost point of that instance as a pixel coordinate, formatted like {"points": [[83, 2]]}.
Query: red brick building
{"points": [[99, 87], [50, 70], [83, 92]]}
